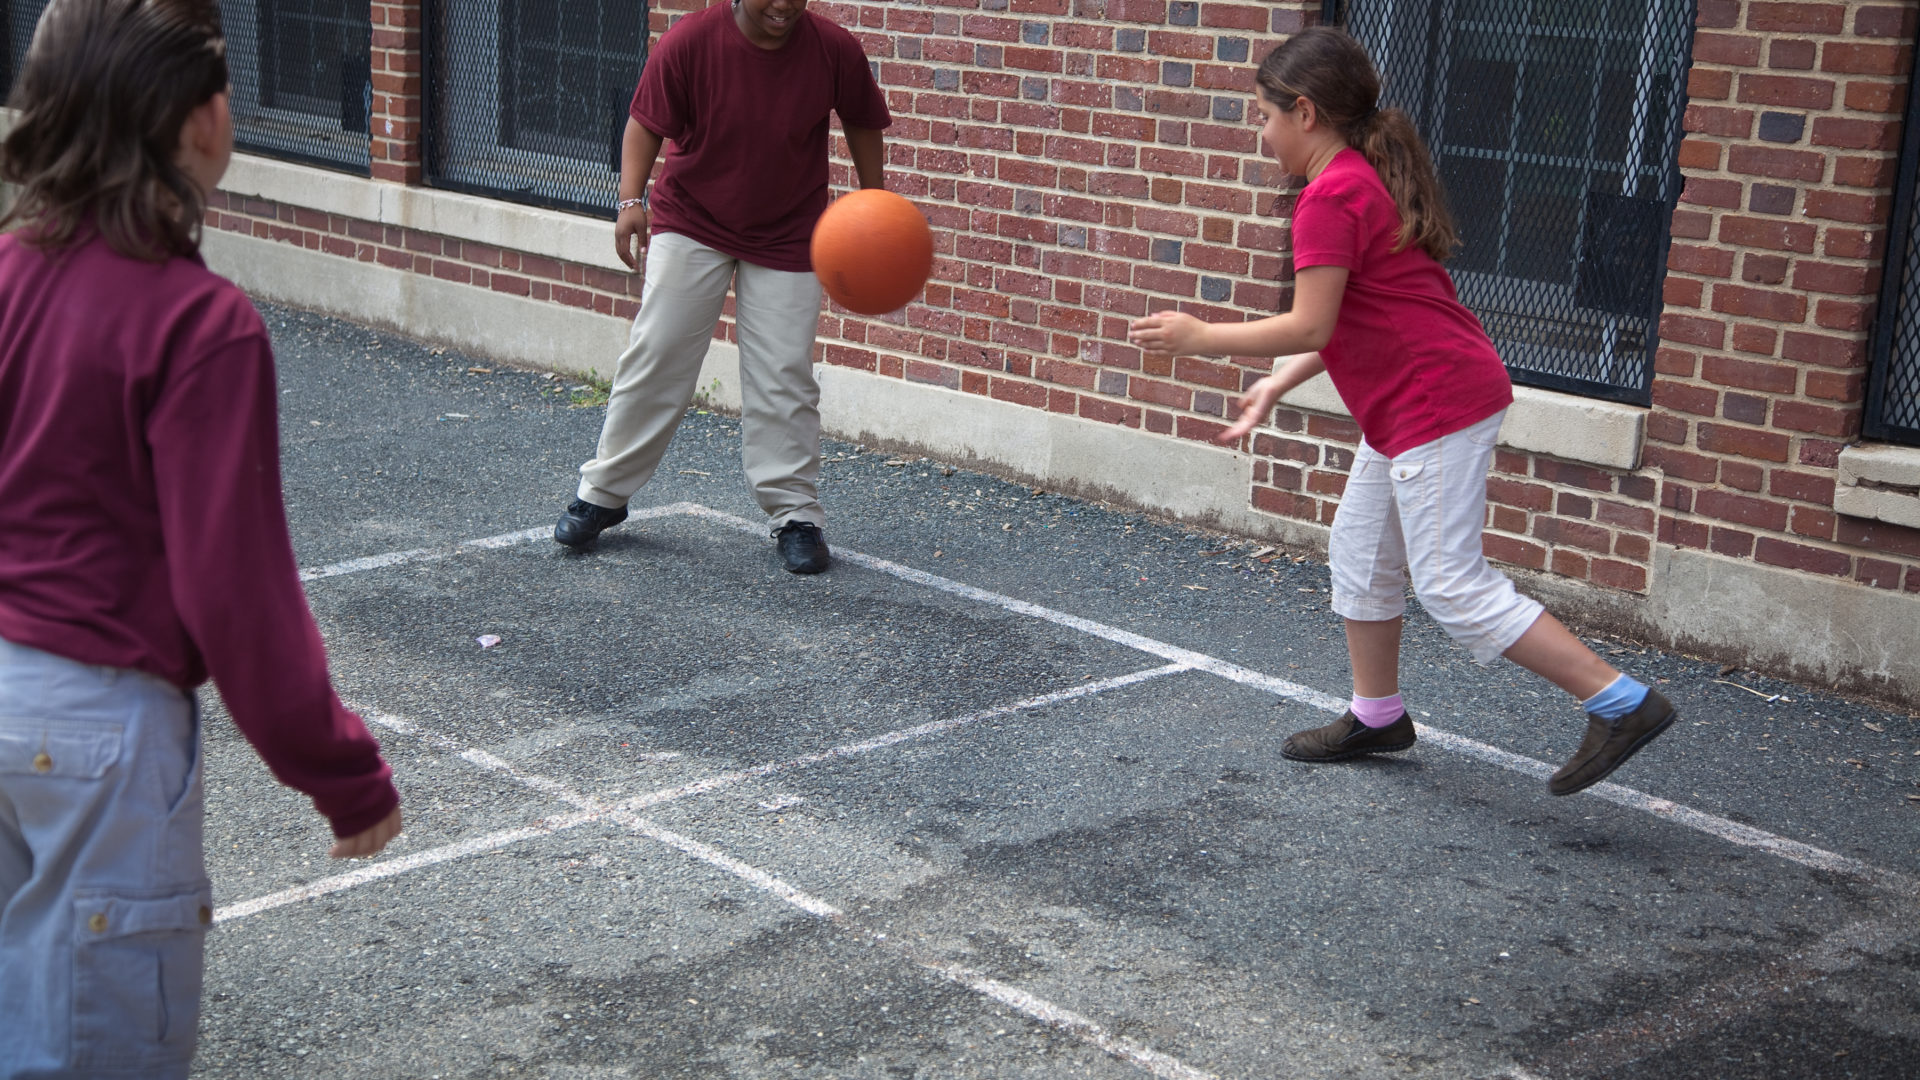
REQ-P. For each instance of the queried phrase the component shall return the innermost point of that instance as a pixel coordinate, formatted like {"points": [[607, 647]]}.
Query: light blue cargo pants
{"points": [[104, 900]]}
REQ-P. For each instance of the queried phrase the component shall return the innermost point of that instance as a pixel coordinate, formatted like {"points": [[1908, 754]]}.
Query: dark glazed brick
{"points": [[1231, 50], [1183, 13], [1130, 40], [1782, 127], [1770, 199], [1231, 110], [1217, 290], [1166, 251], [1034, 33]]}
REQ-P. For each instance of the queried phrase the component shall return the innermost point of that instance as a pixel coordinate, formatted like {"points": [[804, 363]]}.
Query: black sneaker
{"points": [[1347, 738], [802, 546], [1609, 743], [583, 521]]}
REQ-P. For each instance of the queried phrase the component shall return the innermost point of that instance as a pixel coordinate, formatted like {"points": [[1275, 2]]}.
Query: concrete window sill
{"points": [[1602, 433], [1880, 481], [553, 233]]}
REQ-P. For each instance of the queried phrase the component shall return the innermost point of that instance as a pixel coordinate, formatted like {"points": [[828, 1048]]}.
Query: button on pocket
{"points": [[63, 749], [137, 962], [1402, 472]]}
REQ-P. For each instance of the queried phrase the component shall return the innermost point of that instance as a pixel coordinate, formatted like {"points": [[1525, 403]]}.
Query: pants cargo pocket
{"points": [[137, 961]]}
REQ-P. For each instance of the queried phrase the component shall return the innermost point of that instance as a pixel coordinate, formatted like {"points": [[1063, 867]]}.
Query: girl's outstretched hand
{"points": [[1167, 333], [1254, 405]]}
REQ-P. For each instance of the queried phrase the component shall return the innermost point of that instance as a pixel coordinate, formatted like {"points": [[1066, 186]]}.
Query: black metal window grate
{"points": [[1555, 126], [17, 21], [1893, 386], [527, 99], [298, 68], [302, 85]]}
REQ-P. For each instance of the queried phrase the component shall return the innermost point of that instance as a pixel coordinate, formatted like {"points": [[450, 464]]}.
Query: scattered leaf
{"points": [[694, 472], [1196, 588], [1875, 727], [896, 463], [488, 641], [1263, 553], [479, 371]]}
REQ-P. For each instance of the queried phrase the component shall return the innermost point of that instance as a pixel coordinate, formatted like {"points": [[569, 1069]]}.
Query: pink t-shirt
{"points": [[746, 173], [1410, 361]]}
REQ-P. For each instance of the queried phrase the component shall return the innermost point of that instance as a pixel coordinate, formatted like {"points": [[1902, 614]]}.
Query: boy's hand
{"points": [[633, 223], [1254, 405], [369, 842], [1167, 333]]}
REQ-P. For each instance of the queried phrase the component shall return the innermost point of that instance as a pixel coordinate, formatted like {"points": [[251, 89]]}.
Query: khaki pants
{"points": [[775, 315]]}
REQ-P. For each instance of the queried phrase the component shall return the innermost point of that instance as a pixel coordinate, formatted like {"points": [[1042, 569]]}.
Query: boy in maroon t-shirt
{"points": [[744, 92]]}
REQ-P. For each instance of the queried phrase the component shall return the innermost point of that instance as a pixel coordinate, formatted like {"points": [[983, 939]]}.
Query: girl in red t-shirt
{"points": [[1375, 310]]}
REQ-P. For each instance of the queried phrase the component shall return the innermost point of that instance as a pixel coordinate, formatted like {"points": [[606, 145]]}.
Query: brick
{"points": [[1816, 419], [1623, 515], [1742, 442], [1642, 488], [1769, 234], [1763, 269], [1560, 531], [1690, 534], [1871, 171], [1811, 560], [1790, 54], [1742, 476], [1776, 163], [1686, 397], [1514, 552], [1730, 542], [1741, 510], [1706, 84], [1729, 123], [1759, 303], [1569, 564], [1866, 95], [1519, 494], [1864, 58], [1286, 504], [1835, 386], [1884, 21], [1507, 519], [1700, 259], [1880, 536], [1108, 412], [1733, 50], [1749, 375], [1702, 191], [1877, 572], [1853, 133], [1569, 505], [1692, 330], [1796, 18], [1637, 548], [1849, 280], [1744, 409], [1749, 338], [1789, 91], [1827, 350], [1845, 206], [1813, 522]]}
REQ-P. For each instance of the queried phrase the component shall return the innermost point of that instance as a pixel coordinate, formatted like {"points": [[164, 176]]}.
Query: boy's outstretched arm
{"points": [[638, 149], [868, 148]]}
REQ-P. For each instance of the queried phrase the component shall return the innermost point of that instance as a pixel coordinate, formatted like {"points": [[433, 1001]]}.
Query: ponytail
{"points": [[1387, 139], [1330, 69]]}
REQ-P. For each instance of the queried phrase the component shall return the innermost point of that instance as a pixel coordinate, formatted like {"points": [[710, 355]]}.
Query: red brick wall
{"points": [[1084, 161], [1793, 133]]}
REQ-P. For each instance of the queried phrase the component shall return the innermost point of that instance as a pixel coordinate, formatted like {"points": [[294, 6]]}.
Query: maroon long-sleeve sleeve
{"points": [[141, 523]]}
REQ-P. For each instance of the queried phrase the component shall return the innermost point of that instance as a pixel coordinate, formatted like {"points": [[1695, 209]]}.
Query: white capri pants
{"points": [[1424, 512]]}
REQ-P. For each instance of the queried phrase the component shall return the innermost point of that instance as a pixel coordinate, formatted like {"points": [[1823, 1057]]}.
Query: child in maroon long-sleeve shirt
{"points": [[143, 547]]}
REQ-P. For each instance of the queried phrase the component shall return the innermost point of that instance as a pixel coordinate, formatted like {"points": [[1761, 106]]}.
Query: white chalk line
{"points": [[504, 540], [1700, 821], [590, 808]]}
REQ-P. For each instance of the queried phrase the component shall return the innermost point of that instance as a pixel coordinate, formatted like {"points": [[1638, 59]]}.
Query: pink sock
{"points": [[1377, 711]]}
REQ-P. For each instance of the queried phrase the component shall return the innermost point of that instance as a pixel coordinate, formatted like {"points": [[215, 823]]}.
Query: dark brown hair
{"points": [[1330, 69], [105, 90]]}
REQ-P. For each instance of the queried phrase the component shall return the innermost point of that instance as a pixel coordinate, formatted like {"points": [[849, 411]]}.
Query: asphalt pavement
{"points": [[999, 795]]}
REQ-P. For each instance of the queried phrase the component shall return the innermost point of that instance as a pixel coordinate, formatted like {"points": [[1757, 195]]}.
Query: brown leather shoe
{"points": [[1347, 738], [1609, 743]]}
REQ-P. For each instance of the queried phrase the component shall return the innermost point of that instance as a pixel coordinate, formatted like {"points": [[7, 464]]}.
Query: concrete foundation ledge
{"points": [[1564, 426]]}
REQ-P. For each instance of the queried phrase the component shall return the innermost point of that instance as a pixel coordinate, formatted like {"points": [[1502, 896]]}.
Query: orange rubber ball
{"points": [[872, 251]]}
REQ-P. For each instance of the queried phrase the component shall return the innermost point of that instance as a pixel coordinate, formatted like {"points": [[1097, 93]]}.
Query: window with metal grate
{"points": [[300, 84], [1554, 125], [527, 99], [1893, 383], [302, 88]]}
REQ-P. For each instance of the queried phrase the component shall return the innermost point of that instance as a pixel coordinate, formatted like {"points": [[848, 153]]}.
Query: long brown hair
{"points": [[1330, 69], [103, 95]]}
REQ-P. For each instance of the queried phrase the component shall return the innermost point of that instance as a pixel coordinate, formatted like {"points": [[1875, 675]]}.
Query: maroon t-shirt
{"points": [[746, 173], [1410, 361], [140, 516]]}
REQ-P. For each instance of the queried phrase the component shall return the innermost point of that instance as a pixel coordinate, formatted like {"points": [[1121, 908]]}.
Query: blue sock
{"points": [[1622, 696]]}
